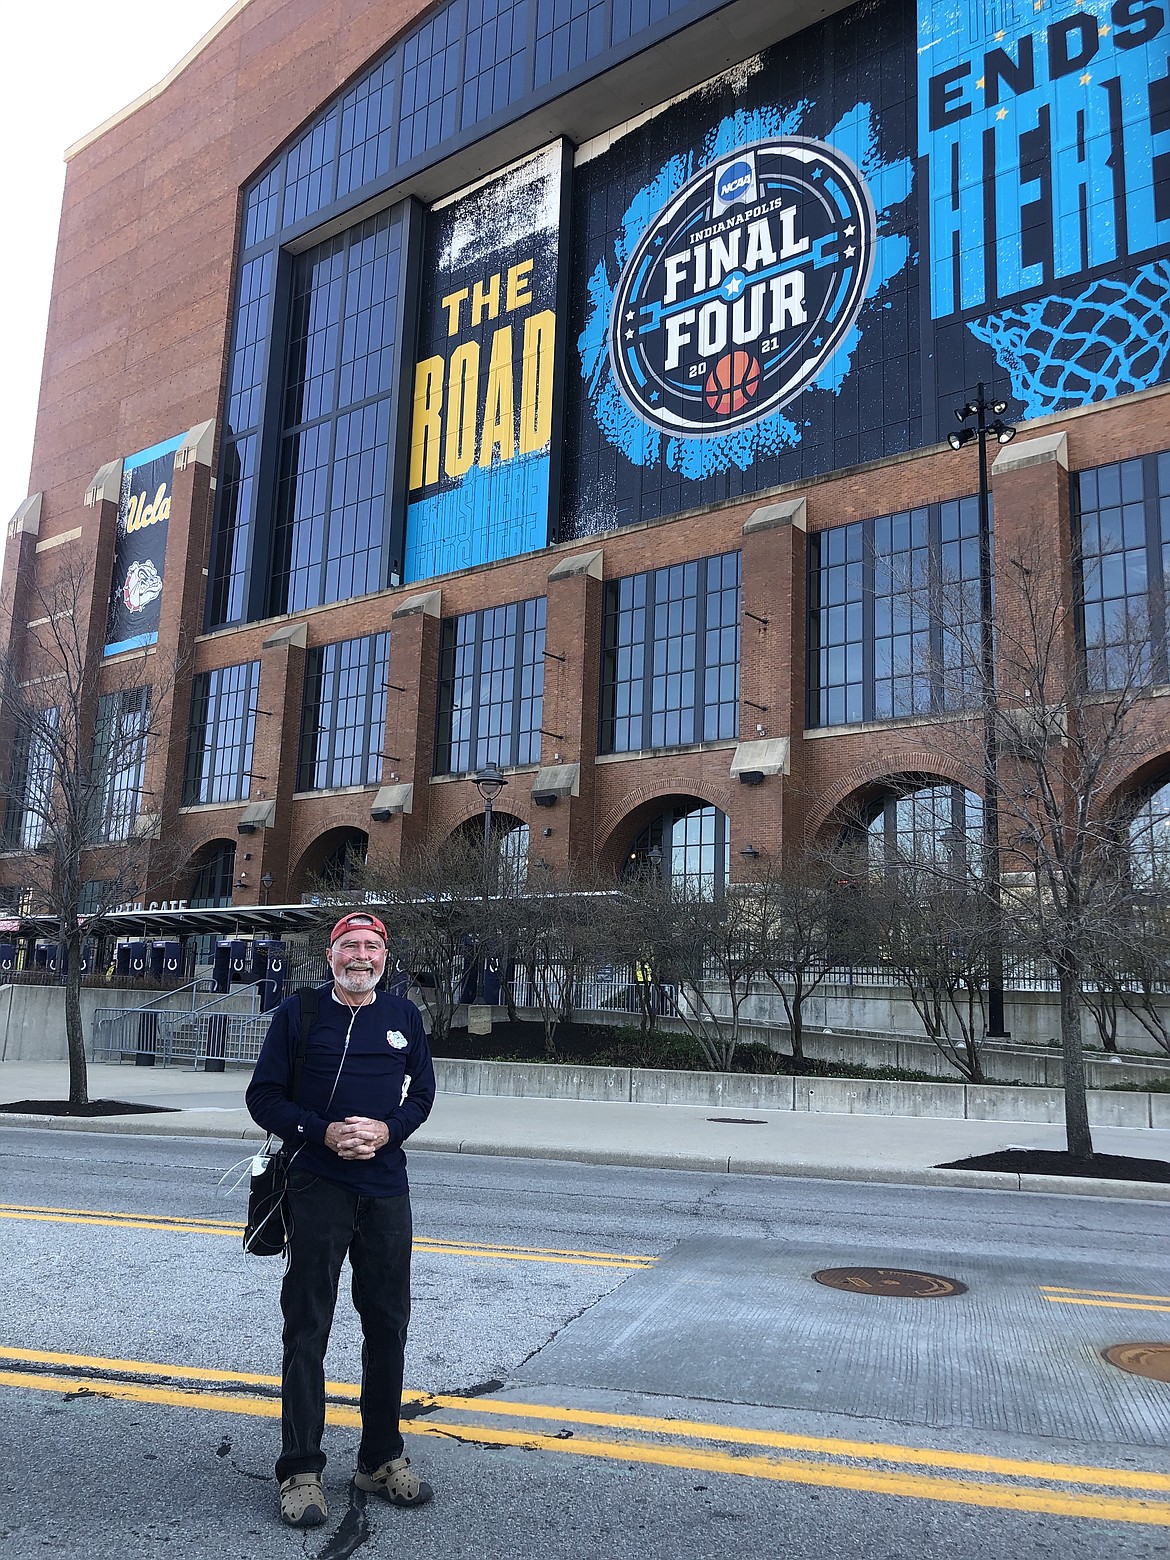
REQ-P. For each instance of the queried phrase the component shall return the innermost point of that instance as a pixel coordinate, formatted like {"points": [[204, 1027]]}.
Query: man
{"points": [[367, 1083]]}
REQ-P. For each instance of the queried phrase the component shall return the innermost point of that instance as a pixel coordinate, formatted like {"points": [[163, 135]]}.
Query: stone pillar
{"points": [[411, 701], [1033, 553], [767, 811], [104, 495], [20, 553], [1035, 594], [568, 746], [265, 823]]}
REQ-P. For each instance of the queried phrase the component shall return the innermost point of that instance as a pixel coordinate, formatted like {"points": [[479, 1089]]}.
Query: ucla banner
{"points": [[140, 550], [480, 483]]}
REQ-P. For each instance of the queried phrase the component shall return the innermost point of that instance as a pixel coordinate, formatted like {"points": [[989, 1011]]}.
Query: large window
{"points": [[119, 762], [231, 549], [670, 673], [221, 735], [894, 616], [466, 64], [30, 789], [688, 844], [330, 532], [491, 688], [934, 827], [1149, 842], [215, 876], [466, 69], [344, 714], [1122, 519]]}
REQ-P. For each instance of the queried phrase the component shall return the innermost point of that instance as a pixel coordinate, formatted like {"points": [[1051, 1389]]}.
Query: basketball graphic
{"points": [[732, 383]]}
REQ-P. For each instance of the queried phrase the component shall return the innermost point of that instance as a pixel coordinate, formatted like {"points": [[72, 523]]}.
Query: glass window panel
{"points": [[221, 734], [332, 492], [687, 688], [906, 604], [344, 714], [119, 763], [1117, 522], [491, 716], [30, 780]]}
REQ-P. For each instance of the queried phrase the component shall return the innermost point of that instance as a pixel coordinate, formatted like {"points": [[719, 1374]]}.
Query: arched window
{"points": [[509, 849], [939, 827], [343, 865], [1149, 841], [215, 877], [513, 848], [687, 844]]}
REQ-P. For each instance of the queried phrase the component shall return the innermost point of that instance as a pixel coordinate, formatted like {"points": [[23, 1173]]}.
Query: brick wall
{"points": [[135, 354]]}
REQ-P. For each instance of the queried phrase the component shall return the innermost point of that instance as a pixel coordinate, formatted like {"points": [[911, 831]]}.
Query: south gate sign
{"points": [[743, 287]]}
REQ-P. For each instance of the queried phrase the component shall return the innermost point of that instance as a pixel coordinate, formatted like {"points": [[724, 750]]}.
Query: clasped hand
{"points": [[357, 1137]]}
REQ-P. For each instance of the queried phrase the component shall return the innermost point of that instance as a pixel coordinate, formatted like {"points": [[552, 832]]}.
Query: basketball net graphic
{"points": [[1110, 339]]}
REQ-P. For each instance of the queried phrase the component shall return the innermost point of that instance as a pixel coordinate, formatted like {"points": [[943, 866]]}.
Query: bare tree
{"points": [[1069, 729], [439, 918], [702, 948], [799, 916], [80, 735], [1132, 969], [938, 939], [562, 924]]}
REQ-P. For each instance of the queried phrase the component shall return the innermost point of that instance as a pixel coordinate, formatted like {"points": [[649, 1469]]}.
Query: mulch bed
{"points": [[94, 1108], [595, 1045], [1042, 1161]]}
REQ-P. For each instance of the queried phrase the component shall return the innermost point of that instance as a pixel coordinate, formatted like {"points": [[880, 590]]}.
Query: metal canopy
{"points": [[225, 920]]}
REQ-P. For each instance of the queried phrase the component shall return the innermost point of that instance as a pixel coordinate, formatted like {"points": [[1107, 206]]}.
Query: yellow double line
{"points": [[874, 1467], [1108, 1299], [623, 1261]]}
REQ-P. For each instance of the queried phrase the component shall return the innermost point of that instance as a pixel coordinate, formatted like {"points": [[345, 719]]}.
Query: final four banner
{"points": [[807, 263], [481, 469], [140, 550]]}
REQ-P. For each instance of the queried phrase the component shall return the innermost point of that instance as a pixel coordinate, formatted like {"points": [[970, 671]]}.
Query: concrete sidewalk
{"points": [[680, 1137]]}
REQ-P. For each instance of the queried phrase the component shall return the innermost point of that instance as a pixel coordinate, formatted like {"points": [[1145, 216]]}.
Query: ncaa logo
{"points": [[735, 184], [742, 287]]}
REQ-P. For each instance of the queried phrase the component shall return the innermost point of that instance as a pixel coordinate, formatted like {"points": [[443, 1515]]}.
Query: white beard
{"points": [[356, 983]]}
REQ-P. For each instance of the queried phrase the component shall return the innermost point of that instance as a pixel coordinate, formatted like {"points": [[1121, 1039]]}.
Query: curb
{"points": [[635, 1159]]}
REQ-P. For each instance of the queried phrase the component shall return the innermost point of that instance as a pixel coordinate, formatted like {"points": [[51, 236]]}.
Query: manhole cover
{"points": [[1141, 1359], [898, 1282], [740, 1121]]}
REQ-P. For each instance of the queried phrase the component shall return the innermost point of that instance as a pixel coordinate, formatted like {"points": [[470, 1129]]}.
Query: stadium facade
{"points": [[564, 385]]}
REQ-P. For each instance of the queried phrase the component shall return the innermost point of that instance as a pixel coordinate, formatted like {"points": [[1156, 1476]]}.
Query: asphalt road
{"points": [[603, 1363]]}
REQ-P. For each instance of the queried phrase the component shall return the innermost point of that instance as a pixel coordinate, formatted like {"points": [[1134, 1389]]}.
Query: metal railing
{"points": [[151, 1035]]}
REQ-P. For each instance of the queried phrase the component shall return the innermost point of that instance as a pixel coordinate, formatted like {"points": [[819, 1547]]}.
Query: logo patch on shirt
{"points": [[396, 1039]]}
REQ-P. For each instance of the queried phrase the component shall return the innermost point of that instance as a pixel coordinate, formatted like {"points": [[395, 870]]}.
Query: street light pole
{"points": [[489, 782], [1002, 433]]}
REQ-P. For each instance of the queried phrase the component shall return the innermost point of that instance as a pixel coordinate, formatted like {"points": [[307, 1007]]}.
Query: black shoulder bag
{"points": [[268, 1228]]}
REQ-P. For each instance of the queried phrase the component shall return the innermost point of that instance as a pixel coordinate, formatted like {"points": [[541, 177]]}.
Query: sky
{"points": [[71, 64]]}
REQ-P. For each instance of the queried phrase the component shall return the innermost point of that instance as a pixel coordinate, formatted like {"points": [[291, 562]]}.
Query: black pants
{"points": [[329, 1221]]}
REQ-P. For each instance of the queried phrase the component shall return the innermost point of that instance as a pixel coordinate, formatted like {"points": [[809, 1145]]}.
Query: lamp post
{"points": [[976, 411], [489, 782]]}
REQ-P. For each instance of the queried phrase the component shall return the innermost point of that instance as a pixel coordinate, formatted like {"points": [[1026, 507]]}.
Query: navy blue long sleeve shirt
{"points": [[387, 1045]]}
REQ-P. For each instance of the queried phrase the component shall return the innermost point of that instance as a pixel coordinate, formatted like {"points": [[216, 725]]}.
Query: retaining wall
{"points": [[32, 1018], [824, 1096]]}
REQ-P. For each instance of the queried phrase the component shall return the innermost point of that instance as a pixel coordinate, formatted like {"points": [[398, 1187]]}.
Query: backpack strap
{"points": [[308, 996]]}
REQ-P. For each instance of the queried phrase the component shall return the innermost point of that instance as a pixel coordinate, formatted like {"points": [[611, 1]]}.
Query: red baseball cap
{"points": [[358, 921]]}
